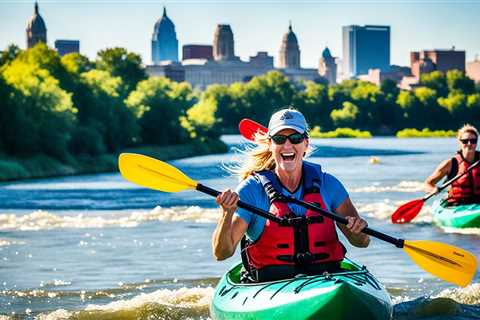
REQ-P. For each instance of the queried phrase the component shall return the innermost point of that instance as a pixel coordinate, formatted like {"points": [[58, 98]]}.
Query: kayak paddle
{"points": [[445, 261], [248, 128], [406, 212]]}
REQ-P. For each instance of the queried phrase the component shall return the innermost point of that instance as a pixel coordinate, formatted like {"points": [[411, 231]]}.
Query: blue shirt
{"points": [[251, 191]]}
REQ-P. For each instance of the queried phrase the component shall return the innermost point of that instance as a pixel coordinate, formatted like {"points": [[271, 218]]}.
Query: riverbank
{"points": [[41, 166]]}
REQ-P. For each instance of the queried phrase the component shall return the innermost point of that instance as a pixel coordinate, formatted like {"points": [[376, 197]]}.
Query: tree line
{"points": [[71, 105]]}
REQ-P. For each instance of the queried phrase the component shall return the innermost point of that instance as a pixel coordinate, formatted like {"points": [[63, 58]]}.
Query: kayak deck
{"points": [[353, 293], [460, 216]]}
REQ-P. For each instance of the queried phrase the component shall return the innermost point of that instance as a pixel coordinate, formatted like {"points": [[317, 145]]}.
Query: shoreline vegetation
{"points": [[42, 166], [72, 114]]}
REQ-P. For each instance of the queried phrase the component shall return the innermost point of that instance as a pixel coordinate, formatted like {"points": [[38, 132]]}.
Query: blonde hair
{"points": [[258, 158], [467, 128]]}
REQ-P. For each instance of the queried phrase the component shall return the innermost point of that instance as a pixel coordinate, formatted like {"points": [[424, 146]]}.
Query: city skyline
{"points": [[316, 25]]}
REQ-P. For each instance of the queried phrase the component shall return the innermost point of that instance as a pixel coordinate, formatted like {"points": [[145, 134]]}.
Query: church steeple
{"points": [[164, 11], [36, 29]]}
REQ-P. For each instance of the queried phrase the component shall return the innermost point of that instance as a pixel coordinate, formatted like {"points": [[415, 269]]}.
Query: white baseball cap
{"points": [[287, 119]]}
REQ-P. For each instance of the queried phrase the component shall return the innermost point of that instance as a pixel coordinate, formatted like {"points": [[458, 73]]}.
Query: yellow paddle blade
{"points": [[152, 173], [445, 261]]}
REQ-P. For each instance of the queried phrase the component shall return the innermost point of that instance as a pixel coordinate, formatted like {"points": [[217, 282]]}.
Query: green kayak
{"points": [[460, 216], [353, 293]]}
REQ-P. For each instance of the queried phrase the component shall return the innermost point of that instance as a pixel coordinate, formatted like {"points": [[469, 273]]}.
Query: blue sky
{"points": [[257, 25]]}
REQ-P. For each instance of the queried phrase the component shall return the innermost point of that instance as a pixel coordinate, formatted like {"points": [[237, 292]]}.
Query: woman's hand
{"points": [[228, 200]]}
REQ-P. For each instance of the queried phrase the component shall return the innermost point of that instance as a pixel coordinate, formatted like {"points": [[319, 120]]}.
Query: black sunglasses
{"points": [[295, 138], [472, 141]]}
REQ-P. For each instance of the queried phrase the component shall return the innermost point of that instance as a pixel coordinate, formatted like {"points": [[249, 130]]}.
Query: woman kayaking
{"points": [[466, 189], [306, 243]]}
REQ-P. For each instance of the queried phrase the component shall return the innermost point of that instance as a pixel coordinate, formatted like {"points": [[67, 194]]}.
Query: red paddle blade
{"points": [[248, 128], [406, 212]]}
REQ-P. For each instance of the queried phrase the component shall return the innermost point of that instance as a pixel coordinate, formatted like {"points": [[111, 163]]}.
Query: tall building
{"points": [[426, 61], [365, 47], [289, 51], [327, 67], [197, 51], [67, 46], [223, 44], [36, 29], [164, 40], [225, 67]]}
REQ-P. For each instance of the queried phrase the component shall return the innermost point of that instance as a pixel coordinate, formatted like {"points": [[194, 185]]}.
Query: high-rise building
{"points": [[223, 44], [426, 61], [365, 47], [289, 50], [197, 51], [164, 40], [36, 29], [67, 46], [327, 67]]}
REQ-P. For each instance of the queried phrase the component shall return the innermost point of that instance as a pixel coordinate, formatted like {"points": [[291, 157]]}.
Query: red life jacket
{"points": [[467, 188], [310, 242]]}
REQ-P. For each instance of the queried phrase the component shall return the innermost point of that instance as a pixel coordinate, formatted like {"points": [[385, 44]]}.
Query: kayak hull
{"points": [[461, 216], [353, 293]]}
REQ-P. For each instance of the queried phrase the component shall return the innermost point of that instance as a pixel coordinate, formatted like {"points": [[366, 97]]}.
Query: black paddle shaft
{"points": [[382, 236], [241, 204]]}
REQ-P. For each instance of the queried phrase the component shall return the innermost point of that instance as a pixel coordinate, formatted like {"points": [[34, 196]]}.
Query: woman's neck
{"points": [[469, 155], [290, 180]]}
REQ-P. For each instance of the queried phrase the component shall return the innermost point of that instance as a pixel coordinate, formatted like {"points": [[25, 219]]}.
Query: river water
{"points": [[99, 247]]}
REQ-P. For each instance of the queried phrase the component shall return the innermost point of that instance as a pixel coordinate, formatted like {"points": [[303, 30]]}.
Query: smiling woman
{"points": [[276, 169], [466, 189]]}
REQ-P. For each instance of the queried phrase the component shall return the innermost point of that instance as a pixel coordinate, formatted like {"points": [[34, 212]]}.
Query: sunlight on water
{"points": [[403, 186], [44, 220]]}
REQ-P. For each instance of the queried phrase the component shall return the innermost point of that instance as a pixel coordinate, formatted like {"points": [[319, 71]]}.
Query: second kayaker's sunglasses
{"points": [[295, 138], [466, 141]]}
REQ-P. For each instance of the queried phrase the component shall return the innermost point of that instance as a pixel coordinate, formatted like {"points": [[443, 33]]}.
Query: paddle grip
{"points": [[241, 204], [374, 233]]}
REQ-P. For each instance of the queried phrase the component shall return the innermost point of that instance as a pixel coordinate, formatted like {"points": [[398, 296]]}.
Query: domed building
{"points": [[327, 66], [36, 29], [164, 40], [289, 51]]}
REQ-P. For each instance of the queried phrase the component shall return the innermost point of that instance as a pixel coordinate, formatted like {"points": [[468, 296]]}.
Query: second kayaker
{"points": [[273, 170], [466, 189]]}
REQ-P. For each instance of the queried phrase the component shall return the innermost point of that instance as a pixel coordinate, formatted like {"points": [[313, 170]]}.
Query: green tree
{"points": [[437, 81], [75, 63], [104, 110], [43, 113], [121, 63], [314, 103], [267, 93], [9, 54], [458, 81], [346, 116], [158, 103]]}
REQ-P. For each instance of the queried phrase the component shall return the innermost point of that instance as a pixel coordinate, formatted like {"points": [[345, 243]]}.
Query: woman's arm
{"points": [[230, 229], [441, 171], [355, 224]]}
